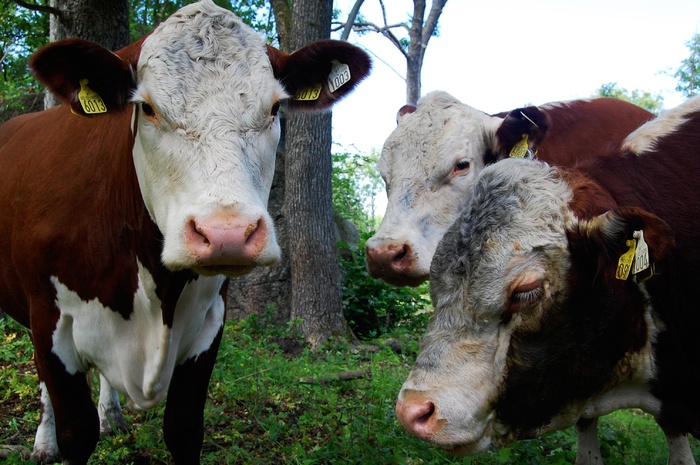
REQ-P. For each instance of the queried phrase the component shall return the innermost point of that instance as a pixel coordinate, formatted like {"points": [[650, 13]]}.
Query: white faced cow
{"points": [[430, 161], [118, 229], [563, 294]]}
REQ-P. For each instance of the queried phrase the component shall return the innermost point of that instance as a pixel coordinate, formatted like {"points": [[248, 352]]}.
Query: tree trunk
{"points": [[105, 22], [308, 208]]}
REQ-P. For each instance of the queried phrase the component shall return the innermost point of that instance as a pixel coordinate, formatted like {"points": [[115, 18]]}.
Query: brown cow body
{"points": [[119, 230]]}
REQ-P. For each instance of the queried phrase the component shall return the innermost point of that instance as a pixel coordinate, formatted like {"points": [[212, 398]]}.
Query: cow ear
{"points": [[319, 74], [85, 75], [521, 133], [611, 236], [404, 110]]}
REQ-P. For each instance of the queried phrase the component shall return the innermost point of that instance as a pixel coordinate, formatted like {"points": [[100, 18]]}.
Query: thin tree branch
{"points": [[431, 23], [351, 19], [360, 27], [42, 8]]}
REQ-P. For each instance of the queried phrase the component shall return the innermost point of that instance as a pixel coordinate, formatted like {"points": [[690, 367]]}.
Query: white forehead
{"points": [[441, 128], [203, 59]]}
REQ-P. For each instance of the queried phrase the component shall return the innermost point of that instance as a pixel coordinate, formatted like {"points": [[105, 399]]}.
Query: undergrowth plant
{"points": [[268, 405]]}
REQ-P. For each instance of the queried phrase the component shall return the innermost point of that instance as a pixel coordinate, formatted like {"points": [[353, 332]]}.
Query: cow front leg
{"points": [[588, 449], [45, 445], [183, 422], [77, 425]]}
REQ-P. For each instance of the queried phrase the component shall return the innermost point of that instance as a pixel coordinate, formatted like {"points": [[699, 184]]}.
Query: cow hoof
{"points": [[113, 426], [7, 451], [45, 456]]}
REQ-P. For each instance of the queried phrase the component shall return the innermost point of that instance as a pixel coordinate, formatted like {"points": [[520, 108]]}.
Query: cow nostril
{"points": [[198, 231], [425, 417], [402, 253]]}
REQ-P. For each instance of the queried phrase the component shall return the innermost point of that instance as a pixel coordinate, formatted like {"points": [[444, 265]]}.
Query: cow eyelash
{"points": [[460, 166], [275, 109], [526, 297], [520, 299]]}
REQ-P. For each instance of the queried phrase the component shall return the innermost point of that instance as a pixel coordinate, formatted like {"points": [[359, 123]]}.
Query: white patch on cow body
{"points": [[210, 148], [644, 139], [416, 163], [137, 356], [45, 444]]}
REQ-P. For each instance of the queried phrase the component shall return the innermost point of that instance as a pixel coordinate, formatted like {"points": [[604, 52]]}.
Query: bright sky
{"points": [[502, 54]]}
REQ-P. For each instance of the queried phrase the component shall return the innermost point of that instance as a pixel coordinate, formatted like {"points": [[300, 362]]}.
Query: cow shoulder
{"points": [[324, 71], [69, 67]]}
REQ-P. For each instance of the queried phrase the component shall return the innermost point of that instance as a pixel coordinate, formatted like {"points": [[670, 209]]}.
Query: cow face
{"points": [[429, 164], [206, 92], [531, 332]]}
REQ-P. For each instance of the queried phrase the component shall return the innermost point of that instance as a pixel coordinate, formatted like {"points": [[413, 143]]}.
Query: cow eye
{"points": [[523, 296], [275, 109], [147, 109], [460, 167]]}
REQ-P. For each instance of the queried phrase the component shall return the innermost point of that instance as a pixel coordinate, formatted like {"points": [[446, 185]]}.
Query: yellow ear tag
{"points": [[89, 99], [625, 263], [310, 93], [339, 76], [521, 149], [641, 256]]}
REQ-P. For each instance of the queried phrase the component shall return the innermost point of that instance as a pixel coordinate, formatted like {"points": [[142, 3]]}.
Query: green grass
{"points": [[259, 413]]}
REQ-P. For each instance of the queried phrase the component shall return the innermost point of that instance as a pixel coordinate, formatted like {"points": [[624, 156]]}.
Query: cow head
{"points": [[205, 91], [429, 164], [531, 329]]}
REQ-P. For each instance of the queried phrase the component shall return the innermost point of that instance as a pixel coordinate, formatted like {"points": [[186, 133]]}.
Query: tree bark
{"points": [[105, 22], [308, 208]]}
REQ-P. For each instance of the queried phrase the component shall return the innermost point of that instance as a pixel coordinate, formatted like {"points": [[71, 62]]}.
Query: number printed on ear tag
{"points": [[310, 93], [339, 76], [625, 263], [89, 99], [521, 149], [641, 255]]}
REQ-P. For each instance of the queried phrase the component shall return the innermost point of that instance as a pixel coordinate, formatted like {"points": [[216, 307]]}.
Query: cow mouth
{"points": [[231, 271], [495, 436]]}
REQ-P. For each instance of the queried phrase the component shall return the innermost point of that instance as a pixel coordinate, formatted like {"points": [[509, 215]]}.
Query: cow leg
{"points": [[77, 426], [45, 445], [588, 449], [109, 410], [679, 449], [183, 422]]}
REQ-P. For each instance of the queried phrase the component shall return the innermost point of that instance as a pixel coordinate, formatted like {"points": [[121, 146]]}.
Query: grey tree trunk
{"points": [[105, 22], [308, 208]]}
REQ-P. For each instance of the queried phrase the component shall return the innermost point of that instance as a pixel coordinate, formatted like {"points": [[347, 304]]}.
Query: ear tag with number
{"points": [[310, 93], [625, 263], [521, 149], [339, 76], [89, 99], [641, 255]]}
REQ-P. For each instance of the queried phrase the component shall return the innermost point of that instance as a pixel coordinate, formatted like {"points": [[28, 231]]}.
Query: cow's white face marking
{"points": [[137, 356], [207, 127], [429, 164]]}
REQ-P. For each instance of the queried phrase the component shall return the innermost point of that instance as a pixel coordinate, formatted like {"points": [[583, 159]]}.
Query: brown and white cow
{"points": [[563, 294], [119, 229], [430, 161]]}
